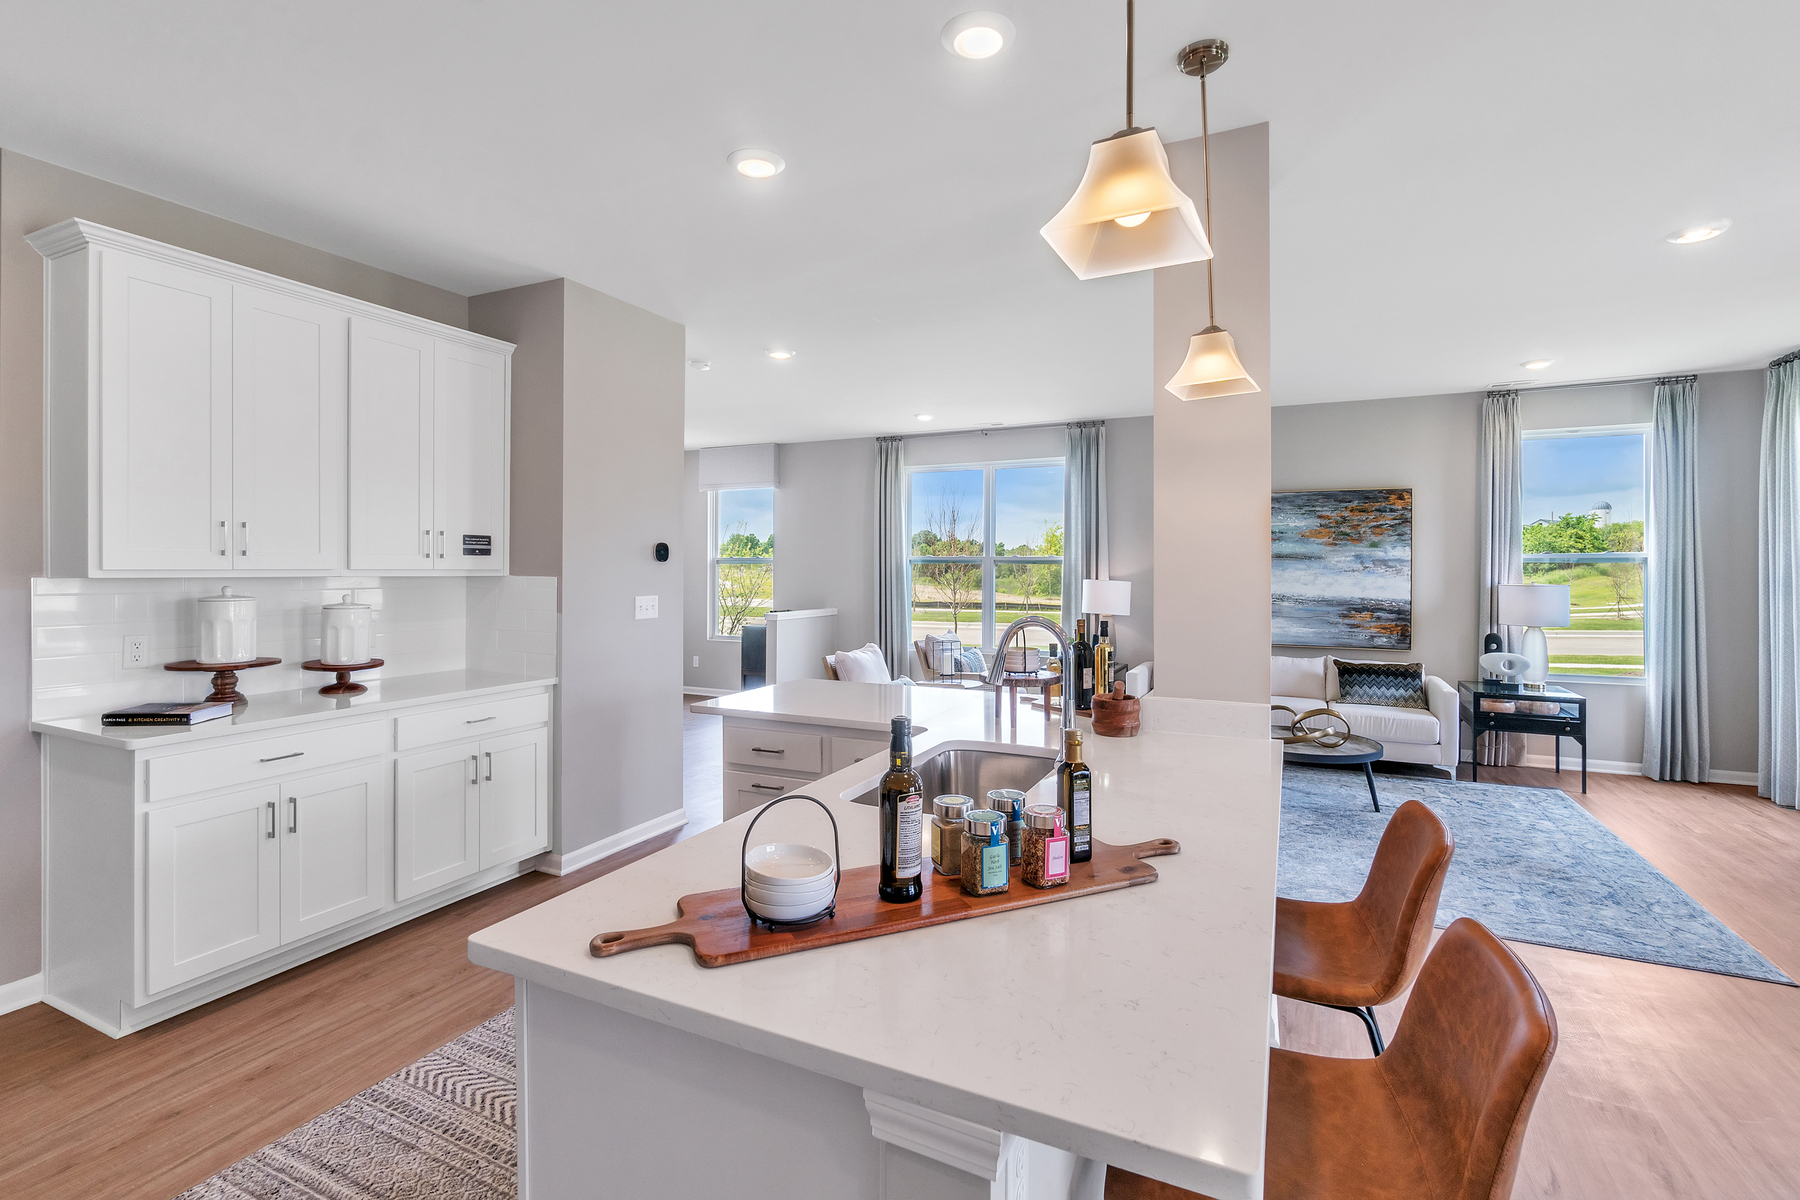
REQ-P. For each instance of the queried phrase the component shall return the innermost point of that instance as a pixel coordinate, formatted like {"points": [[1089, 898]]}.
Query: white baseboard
{"points": [[700, 691], [21, 992], [1595, 766], [1743, 778], [593, 852]]}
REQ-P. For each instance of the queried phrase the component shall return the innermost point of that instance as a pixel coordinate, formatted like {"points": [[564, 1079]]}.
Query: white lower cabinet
{"points": [[437, 819], [333, 849], [212, 873], [515, 796]]}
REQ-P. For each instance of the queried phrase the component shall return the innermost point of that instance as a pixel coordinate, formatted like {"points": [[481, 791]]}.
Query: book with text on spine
{"points": [[166, 714]]}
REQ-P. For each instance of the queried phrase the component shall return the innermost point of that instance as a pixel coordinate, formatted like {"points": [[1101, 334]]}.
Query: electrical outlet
{"points": [[646, 608], [137, 651], [696, 660]]}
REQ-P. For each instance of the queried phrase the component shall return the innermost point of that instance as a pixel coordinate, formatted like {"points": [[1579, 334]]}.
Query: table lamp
{"points": [[1535, 605], [1106, 597]]}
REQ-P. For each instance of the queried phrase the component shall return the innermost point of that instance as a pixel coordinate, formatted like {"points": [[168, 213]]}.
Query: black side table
{"points": [[1569, 720]]}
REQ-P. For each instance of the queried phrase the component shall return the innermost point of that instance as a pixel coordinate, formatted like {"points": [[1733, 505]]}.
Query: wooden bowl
{"points": [[1116, 715]]}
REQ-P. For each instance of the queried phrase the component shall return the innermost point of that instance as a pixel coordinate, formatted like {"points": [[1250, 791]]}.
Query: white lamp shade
{"points": [[1110, 597], [1544, 606], [1127, 175], [1212, 368]]}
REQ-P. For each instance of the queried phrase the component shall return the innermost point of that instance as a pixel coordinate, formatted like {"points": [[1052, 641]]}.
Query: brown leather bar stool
{"points": [[1355, 955], [1440, 1116]]}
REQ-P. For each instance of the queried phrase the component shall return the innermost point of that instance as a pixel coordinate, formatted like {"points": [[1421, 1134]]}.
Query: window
{"points": [[986, 549], [1583, 515], [743, 564]]}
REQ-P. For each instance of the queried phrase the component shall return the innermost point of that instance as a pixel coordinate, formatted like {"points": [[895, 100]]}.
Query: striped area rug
{"points": [[440, 1129]]}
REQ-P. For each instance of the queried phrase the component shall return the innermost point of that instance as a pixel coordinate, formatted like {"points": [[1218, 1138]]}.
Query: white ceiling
{"points": [[1456, 188]]}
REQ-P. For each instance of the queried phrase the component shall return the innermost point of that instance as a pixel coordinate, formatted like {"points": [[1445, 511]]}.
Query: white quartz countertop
{"points": [[1130, 1026], [269, 711], [943, 712]]}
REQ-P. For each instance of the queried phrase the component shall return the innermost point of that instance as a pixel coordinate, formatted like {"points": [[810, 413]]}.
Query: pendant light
{"points": [[1127, 215], [1212, 367]]}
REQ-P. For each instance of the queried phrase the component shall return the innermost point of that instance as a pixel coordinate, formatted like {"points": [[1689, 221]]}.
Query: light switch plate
{"points": [[696, 660], [646, 608], [137, 651]]}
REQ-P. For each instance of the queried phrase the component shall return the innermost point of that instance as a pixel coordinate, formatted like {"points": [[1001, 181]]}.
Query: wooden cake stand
{"points": [[224, 677], [343, 686]]}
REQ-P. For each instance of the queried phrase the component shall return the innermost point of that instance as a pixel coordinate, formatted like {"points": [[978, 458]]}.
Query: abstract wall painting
{"points": [[1341, 569]]}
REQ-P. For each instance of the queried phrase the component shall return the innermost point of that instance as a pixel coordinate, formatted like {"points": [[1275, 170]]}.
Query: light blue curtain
{"points": [[1778, 588], [893, 607], [1675, 729], [1502, 547], [1084, 500]]}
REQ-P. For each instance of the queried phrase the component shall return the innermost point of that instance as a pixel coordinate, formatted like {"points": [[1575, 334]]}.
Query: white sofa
{"points": [[1406, 734]]}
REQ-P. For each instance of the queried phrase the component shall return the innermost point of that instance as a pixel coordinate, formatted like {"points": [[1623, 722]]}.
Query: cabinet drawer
{"points": [[746, 791], [471, 720], [265, 758], [847, 750], [789, 753]]}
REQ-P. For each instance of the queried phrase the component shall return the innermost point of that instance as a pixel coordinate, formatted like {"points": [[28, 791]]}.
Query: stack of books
{"points": [[167, 714]]}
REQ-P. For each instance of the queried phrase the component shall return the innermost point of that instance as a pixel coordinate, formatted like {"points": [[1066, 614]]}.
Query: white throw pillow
{"points": [[1297, 677], [867, 665]]}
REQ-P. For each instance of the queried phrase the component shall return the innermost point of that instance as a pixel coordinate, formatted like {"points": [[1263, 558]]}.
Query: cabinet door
{"points": [[391, 371], [437, 819], [165, 416], [333, 849], [289, 381], [472, 458], [213, 892], [515, 797]]}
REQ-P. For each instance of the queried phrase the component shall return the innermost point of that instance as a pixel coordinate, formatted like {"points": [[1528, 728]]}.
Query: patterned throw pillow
{"points": [[1395, 685], [970, 661]]}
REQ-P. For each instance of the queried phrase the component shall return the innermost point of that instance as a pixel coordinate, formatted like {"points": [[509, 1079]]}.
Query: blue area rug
{"points": [[1531, 864]]}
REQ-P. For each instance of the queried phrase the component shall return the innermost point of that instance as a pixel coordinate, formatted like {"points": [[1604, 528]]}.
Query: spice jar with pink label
{"points": [[1046, 851]]}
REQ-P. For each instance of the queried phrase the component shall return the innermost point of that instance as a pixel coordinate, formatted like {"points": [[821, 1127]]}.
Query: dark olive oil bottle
{"points": [[1075, 796], [1081, 654], [902, 820]]}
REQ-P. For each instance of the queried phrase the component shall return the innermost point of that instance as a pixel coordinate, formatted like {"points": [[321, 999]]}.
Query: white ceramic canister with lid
{"points": [[349, 638], [227, 628]]}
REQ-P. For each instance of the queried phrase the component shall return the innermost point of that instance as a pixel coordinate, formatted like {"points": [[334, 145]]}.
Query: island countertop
{"points": [[1140, 1027]]}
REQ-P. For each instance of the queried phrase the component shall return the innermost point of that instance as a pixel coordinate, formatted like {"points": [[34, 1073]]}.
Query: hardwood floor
{"points": [[1668, 1083]]}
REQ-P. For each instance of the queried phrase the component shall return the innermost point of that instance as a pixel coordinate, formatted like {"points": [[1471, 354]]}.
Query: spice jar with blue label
{"points": [[984, 852], [1011, 802]]}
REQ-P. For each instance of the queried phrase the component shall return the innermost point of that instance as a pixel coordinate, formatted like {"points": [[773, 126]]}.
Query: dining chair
{"points": [[1440, 1116], [1360, 953]]}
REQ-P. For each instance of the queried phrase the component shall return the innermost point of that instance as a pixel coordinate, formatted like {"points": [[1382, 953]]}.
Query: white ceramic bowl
{"points": [[818, 893], [790, 912], [787, 865]]}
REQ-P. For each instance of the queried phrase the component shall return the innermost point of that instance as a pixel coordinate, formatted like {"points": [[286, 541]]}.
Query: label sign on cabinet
{"points": [[478, 544]]}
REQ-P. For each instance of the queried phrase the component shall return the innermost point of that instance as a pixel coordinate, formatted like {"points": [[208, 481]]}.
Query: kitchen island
{"points": [[993, 1057]]}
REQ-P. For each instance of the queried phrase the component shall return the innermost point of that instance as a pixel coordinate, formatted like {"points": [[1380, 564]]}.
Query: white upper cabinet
{"points": [[289, 377], [202, 417], [165, 417]]}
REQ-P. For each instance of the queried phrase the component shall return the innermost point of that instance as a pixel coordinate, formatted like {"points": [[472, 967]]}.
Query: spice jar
{"points": [[984, 852], [946, 832], [1011, 801], [1046, 862]]}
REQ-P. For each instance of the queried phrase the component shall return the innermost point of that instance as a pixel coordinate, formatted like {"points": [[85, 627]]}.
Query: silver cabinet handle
{"points": [[224, 541], [489, 777], [279, 757], [293, 814], [474, 768], [440, 543], [271, 832], [479, 720], [424, 543], [245, 526], [760, 750], [765, 787]]}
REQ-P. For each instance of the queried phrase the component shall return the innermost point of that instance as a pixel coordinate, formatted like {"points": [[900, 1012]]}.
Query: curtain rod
{"points": [[987, 429], [1785, 359], [1533, 386]]}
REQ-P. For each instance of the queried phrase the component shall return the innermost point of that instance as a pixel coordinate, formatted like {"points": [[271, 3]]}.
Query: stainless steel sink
{"points": [[974, 773]]}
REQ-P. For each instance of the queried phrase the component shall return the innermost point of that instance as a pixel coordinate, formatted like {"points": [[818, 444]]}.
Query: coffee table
{"points": [[1356, 751]]}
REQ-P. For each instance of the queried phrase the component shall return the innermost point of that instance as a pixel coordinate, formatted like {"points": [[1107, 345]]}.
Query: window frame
{"points": [[987, 560], [715, 561], [1641, 557]]}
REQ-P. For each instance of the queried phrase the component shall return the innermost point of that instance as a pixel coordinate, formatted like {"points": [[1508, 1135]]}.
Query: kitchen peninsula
{"points": [[981, 1058]]}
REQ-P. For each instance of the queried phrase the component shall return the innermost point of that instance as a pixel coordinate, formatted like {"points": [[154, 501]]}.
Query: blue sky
{"points": [[753, 506], [1025, 500], [1563, 475]]}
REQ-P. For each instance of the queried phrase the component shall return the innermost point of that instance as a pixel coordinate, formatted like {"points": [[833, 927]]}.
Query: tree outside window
{"points": [[743, 567]]}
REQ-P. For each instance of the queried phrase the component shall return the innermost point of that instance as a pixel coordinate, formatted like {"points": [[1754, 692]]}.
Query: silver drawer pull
{"points": [[279, 757], [479, 720], [760, 750], [765, 787]]}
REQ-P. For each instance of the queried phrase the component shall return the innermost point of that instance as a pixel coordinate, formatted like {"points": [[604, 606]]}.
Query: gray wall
{"points": [[825, 525], [1212, 456], [34, 194], [1428, 443]]}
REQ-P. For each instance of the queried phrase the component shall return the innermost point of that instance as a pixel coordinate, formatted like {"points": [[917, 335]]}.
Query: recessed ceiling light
{"points": [[757, 164], [924, 416], [1537, 364], [699, 364], [781, 355], [977, 34], [1700, 233]]}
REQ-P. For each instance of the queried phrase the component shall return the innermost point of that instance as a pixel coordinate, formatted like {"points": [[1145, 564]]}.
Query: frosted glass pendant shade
{"points": [[1127, 176], [1212, 368]]}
